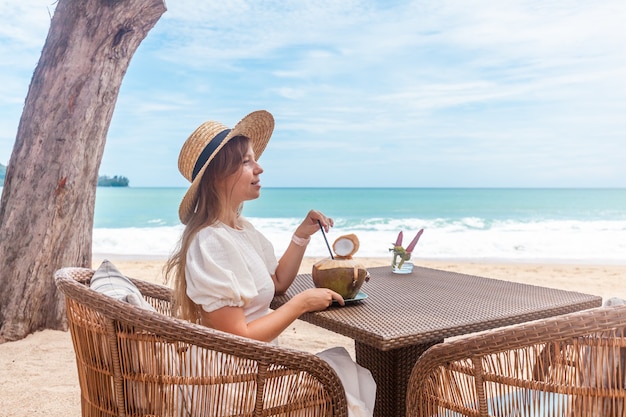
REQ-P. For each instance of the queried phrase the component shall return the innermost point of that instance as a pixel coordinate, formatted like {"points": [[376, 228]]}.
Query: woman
{"points": [[225, 271]]}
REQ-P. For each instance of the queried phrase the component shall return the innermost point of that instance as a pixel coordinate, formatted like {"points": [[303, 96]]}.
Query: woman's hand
{"points": [[316, 299], [289, 263], [311, 224]]}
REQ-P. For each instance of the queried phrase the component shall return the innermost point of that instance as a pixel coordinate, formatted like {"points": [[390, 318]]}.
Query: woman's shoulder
{"points": [[221, 230], [245, 223], [215, 230], [214, 239]]}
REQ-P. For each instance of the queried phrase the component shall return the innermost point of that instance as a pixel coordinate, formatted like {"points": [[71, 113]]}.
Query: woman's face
{"points": [[245, 184]]}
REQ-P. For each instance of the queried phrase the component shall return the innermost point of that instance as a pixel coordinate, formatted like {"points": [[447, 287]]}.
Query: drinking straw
{"points": [[326, 240]]}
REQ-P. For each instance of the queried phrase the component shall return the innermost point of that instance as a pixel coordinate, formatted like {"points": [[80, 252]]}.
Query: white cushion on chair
{"points": [[109, 280]]}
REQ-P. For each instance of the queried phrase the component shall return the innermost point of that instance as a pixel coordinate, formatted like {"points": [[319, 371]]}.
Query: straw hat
{"points": [[206, 141]]}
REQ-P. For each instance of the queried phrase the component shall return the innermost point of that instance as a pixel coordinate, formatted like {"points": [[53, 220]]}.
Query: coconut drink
{"points": [[341, 274]]}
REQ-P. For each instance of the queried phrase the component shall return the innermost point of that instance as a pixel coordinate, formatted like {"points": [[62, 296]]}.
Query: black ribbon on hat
{"points": [[208, 151]]}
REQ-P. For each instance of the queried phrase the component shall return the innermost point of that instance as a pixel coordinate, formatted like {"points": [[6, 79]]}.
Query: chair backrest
{"points": [[568, 365], [132, 361]]}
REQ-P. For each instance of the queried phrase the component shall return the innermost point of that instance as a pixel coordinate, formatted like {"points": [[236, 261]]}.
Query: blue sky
{"points": [[431, 93]]}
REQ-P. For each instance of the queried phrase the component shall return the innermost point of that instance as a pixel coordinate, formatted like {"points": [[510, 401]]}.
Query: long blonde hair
{"points": [[210, 204]]}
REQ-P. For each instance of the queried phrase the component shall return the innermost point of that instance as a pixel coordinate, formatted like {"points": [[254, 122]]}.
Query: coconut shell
{"points": [[345, 246], [344, 276]]}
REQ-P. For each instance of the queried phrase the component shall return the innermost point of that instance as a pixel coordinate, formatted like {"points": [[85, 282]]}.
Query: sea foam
{"points": [[472, 239]]}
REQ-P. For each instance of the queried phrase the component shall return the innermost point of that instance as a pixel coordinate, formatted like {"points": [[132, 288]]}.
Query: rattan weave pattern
{"points": [[430, 305], [133, 362], [404, 315], [570, 365]]}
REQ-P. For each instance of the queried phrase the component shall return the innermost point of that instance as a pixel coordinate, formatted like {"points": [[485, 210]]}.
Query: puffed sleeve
{"points": [[221, 268]]}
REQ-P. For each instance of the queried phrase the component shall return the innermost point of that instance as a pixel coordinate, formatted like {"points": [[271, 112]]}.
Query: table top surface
{"points": [[429, 305]]}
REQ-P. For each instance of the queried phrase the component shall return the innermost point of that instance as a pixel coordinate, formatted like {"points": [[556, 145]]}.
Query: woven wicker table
{"points": [[404, 315]]}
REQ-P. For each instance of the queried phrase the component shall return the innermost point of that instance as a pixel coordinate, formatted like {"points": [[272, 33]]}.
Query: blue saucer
{"points": [[359, 297]]}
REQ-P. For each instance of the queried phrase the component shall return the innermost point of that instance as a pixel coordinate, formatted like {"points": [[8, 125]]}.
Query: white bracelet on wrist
{"points": [[299, 240]]}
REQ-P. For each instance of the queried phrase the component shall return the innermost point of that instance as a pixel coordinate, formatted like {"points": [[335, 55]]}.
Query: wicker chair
{"points": [[569, 365], [135, 362]]}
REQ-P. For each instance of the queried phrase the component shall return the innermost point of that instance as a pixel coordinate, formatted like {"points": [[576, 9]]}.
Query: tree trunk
{"points": [[47, 206]]}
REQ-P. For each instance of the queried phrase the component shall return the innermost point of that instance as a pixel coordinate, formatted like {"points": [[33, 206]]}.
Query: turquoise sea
{"points": [[543, 225]]}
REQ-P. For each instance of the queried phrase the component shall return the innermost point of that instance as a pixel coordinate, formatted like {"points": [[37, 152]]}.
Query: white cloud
{"points": [[477, 83]]}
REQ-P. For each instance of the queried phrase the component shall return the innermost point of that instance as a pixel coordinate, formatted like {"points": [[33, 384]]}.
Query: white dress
{"points": [[231, 267]]}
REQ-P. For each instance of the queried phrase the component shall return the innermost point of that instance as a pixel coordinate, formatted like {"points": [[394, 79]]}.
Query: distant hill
{"points": [[103, 180], [116, 181]]}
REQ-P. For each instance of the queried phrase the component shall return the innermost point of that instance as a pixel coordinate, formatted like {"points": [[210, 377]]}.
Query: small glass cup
{"points": [[407, 268]]}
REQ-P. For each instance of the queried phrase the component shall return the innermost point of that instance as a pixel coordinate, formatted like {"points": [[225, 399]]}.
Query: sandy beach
{"points": [[39, 372]]}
